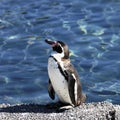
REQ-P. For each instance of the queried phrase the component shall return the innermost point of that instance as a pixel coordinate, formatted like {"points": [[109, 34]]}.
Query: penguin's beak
{"points": [[50, 42]]}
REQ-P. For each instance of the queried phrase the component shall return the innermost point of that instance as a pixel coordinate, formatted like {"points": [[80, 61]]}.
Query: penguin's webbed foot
{"points": [[63, 108]]}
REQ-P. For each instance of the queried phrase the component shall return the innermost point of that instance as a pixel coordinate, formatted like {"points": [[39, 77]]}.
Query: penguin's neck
{"points": [[57, 56], [60, 59]]}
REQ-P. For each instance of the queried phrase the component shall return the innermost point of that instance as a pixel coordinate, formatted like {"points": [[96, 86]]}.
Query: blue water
{"points": [[91, 28]]}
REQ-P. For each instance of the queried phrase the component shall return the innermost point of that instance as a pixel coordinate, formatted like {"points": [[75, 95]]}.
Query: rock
{"points": [[87, 111]]}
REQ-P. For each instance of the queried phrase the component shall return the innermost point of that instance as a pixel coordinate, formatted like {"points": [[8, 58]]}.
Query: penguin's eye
{"points": [[57, 48]]}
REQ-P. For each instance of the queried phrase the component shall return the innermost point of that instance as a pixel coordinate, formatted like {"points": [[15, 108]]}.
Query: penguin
{"points": [[63, 77]]}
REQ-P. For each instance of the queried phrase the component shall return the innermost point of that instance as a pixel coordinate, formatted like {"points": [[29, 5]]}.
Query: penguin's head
{"points": [[60, 47]]}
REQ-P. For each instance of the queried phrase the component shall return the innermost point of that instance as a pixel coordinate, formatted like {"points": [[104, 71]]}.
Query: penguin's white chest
{"points": [[58, 81]]}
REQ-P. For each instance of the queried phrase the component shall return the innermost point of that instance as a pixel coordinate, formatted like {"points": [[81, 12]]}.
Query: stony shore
{"points": [[87, 111]]}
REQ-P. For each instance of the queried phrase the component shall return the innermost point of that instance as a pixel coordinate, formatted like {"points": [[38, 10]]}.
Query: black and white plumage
{"points": [[63, 78]]}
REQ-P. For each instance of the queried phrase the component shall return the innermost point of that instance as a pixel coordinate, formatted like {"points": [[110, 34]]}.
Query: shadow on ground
{"points": [[34, 108]]}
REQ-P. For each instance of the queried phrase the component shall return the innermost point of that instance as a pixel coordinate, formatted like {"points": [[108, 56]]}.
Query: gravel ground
{"points": [[87, 111]]}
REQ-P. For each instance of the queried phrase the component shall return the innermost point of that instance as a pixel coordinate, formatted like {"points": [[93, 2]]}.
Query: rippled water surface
{"points": [[91, 28]]}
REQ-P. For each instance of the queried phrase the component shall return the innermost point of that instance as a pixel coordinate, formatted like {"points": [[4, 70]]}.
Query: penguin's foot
{"points": [[66, 107], [61, 109]]}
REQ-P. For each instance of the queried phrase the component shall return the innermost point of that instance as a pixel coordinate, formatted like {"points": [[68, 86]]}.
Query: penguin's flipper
{"points": [[51, 90], [74, 86], [71, 86]]}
